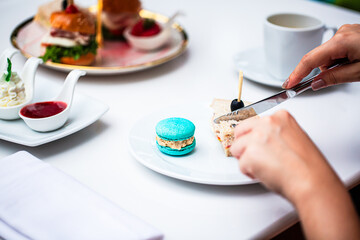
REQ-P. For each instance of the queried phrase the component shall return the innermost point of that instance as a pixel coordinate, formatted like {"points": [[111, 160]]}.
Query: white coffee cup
{"points": [[287, 38]]}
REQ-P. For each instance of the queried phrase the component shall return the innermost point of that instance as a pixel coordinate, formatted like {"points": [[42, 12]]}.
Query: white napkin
{"points": [[38, 201]]}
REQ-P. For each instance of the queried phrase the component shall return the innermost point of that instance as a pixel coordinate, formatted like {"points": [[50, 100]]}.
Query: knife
{"points": [[270, 102]]}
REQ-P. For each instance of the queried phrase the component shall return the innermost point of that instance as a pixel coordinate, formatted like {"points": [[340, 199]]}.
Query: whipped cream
{"points": [[12, 93]]}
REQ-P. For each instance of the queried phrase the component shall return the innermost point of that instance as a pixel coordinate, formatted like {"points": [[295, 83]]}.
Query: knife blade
{"points": [[270, 102], [259, 107]]}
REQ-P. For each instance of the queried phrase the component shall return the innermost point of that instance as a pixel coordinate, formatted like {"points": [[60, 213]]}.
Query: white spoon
{"points": [[40, 116], [171, 19]]}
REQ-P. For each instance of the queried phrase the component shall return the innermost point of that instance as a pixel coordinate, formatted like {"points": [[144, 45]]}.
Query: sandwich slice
{"points": [[224, 131], [71, 39], [45, 10]]}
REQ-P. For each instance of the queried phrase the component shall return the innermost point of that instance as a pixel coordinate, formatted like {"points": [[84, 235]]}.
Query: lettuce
{"points": [[55, 53]]}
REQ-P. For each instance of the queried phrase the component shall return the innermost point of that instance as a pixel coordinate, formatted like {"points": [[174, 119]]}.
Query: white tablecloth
{"points": [[98, 156]]}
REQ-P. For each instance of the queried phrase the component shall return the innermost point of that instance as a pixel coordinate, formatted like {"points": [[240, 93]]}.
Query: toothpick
{"points": [[241, 77]]}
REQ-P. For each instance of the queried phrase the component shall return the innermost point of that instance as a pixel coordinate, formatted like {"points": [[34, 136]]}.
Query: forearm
{"points": [[327, 212], [275, 150]]}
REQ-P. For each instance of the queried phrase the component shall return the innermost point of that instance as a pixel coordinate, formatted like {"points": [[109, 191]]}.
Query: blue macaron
{"points": [[171, 131]]}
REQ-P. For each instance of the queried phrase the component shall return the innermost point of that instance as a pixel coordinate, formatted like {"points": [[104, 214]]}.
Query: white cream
{"points": [[58, 41], [12, 93]]}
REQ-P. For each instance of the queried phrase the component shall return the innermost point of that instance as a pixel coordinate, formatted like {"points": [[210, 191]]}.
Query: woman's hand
{"points": [[276, 151], [344, 45]]}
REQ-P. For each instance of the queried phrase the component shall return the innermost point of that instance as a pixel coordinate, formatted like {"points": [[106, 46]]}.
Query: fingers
{"points": [[238, 149], [245, 127], [243, 138], [244, 168], [241, 135], [263, 126], [239, 146], [251, 138], [321, 56], [346, 73], [343, 45]]}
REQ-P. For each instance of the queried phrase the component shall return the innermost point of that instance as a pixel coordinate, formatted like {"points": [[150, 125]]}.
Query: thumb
{"points": [[342, 74]]}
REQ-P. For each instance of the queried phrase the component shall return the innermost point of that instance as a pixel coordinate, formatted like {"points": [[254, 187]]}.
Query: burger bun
{"points": [[73, 22], [84, 60]]}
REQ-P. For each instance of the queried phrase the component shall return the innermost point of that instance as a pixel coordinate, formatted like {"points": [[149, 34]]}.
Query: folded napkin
{"points": [[38, 201]]}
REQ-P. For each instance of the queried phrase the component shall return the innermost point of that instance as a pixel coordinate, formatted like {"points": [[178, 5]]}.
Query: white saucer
{"points": [[252, 63], [207, 164]]}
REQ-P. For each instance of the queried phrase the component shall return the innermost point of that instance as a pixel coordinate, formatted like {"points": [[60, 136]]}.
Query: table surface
{"points": [[98, 155]]}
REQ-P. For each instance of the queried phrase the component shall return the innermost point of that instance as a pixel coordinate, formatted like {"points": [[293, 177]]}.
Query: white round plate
{"points": [[252, 63], [207, 164], [115, 57]]}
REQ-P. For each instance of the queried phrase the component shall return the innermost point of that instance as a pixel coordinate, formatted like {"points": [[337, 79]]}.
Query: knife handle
{"points": [[303, 86]]}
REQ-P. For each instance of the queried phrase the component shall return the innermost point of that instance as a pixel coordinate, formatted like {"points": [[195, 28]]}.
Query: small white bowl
{"points": [[151, 42], [51, 123], [27, 75], [11, 113]]}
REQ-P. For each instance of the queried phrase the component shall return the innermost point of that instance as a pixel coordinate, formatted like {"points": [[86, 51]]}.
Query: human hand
{"points": [[344, 45], [276, 151]]}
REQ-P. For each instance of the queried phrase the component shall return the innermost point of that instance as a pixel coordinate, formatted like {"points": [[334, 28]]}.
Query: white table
{"points": [[98, 155]]}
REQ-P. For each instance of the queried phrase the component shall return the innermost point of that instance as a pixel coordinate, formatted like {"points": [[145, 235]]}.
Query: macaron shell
{"points": [[175, 152], [175, 129]]}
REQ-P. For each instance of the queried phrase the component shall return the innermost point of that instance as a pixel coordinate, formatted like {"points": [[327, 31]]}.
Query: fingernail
{"points": [[318, 84], [285, 83]]}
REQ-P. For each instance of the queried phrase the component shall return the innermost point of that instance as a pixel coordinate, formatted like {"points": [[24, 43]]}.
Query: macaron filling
{"points": [[175, 144], [174, 152]]}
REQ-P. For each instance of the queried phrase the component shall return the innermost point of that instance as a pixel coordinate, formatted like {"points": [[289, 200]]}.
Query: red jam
{"points": [[145, 28], [43, 109]]}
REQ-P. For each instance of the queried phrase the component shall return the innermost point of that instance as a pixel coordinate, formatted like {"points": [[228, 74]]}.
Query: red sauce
{"points": [[43, 109], [145, 28]]}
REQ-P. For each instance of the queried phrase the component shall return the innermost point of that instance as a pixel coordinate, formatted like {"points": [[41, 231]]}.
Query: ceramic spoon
{"points": [[171, 19], [41, 121], [27, 75]]}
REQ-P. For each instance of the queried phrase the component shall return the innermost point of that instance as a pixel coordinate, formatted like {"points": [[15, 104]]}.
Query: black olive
{"points": [[235, 105]]}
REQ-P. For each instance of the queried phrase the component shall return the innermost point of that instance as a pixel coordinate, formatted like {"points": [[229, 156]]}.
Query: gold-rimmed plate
{"points": [[115, 57]]}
